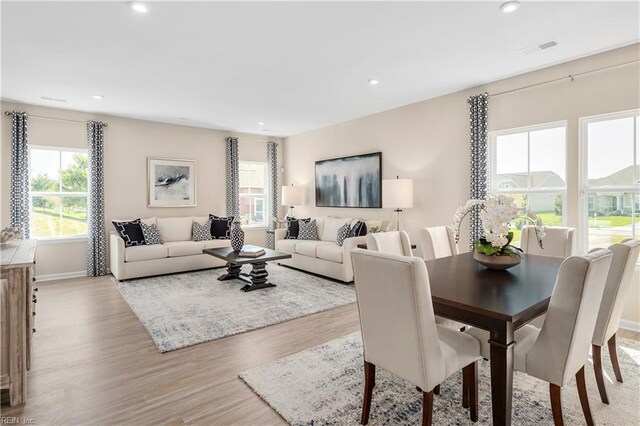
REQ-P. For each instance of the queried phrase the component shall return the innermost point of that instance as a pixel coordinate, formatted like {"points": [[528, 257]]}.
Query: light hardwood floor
{"points": [[94, 363]]}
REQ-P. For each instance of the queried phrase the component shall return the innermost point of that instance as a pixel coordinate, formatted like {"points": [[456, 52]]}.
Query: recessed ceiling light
{"points": [[97, 96], [260, 123], [139, 7], [373, 81], [510, 6]]}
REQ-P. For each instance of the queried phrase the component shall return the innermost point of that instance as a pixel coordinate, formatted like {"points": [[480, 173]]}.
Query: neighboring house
{"points": [[602, 203]]}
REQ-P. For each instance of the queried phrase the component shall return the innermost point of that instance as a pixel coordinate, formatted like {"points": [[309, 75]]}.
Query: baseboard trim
{"points": [[62, 276], [630, 325]]}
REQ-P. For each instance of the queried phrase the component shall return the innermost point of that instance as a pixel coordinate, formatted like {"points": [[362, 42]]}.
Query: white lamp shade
{"points": [[292, 195], [397, 193]]}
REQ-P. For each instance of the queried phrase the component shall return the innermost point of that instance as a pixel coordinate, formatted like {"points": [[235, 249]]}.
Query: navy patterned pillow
{"points": [[293, 227], [343, 234], [358, 230], [308, 230], [151, 234], [201, 232], [220, 227], [130, 232]]}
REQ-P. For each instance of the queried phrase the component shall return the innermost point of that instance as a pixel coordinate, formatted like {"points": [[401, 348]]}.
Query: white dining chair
{"points": [[399, 332], [619, 279], [395, 242], [559, 350], [437, 242], [558, 241]]}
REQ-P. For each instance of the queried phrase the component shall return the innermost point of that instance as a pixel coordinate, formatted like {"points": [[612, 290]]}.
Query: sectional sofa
{"points": [[178, 253]]}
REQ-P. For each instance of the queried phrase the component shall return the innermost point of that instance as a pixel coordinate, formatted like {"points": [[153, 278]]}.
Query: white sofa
{"points": [[325, 256], [178, 253]]}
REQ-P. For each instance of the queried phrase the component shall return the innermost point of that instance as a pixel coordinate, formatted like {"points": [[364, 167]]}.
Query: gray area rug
{"points": [[323, 385], [182, 310]]}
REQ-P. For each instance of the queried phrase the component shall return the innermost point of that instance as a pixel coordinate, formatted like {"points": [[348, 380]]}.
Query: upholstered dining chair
{"points": [[619, 279], [399, 332], [437, 242], [395, 242], [558, 241], [559, 350]]}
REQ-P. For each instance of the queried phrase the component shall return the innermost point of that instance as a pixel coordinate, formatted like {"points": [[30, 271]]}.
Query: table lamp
{"points": [[397, 194], [291, 196]]}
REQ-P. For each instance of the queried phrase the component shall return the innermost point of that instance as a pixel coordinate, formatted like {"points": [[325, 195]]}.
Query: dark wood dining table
{"points": [[497, 301]]}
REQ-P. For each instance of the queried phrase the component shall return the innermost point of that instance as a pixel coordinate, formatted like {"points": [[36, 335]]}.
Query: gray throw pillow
{"points": [[151, 234], [343, 234], [308, 230], [201, 232]]}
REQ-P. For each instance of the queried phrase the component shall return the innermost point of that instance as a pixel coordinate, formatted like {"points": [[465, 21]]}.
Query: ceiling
{"points": [[296, 66]]}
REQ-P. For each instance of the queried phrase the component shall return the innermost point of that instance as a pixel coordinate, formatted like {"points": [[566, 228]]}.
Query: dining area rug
{"points": [[181, 310], [324, 385]]}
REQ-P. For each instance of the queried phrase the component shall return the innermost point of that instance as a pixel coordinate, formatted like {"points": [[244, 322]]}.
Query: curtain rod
{"points": [[569, 77], [54, 118]]}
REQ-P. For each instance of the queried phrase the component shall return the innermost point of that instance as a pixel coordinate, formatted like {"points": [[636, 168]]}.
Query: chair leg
{"points": [[369, 381], [613, 353], [584, 397], [427, 409], [556, 404], [436, 390], [597, 366], [465, 388]]}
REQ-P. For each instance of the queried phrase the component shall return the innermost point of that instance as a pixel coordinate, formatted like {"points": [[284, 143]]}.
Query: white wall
{"points": [[128, 143], [428, 141]]}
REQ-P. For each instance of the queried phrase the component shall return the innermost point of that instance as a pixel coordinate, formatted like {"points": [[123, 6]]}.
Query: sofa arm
{"points": [[116, 258], [280, 234], [348, 245]]}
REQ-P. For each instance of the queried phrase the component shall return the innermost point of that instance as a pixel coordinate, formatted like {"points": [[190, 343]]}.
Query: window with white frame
{"points": [[253, 193], [610, 179], [58, 182], [529, 164]]}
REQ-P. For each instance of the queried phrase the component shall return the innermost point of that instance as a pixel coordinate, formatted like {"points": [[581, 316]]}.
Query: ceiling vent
{"points": [[538, 47], [47, 98]]}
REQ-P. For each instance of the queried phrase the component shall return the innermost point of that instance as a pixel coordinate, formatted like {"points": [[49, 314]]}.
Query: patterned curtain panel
{"points": [[19, 196], [478, 112], [272, 173], [233, 178], [97, 252]]}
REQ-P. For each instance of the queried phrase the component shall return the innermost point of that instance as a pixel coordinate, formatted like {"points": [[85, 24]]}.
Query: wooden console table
{"points": [[17, 302]]}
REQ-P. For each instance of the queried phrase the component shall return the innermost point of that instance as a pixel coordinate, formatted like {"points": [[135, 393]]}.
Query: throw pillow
{"points": [[343, 234], [151, 234], [130, 232], [220, 227], [201, 232], [293, 227], [308, 230], [358, 230]]}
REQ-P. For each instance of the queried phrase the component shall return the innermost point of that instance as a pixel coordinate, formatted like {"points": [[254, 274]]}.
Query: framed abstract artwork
{"points": [[172, 182], [354, 181]]}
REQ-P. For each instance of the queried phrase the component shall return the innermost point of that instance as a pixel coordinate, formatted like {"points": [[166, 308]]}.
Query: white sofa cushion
{"points": [[138, 253], [320, 221], [175, 228], [201, 219], [331, 226], [216, 243], [184, 248], [308, 248], [330, 252], [286, 245]]}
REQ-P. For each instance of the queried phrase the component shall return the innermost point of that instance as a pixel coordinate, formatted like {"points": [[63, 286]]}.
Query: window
{"points": [[58, 192], [253, 193], [529, 165], [610, 179]]}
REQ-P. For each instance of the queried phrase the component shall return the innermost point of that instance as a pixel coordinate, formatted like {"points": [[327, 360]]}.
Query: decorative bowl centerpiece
{"points": [[493, 249]]}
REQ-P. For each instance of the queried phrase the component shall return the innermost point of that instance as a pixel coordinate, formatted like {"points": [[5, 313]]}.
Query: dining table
{"points": [[499, 301]]}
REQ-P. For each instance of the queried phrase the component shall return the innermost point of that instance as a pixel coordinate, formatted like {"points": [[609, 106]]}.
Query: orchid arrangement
{"points": [[497, 212]]}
